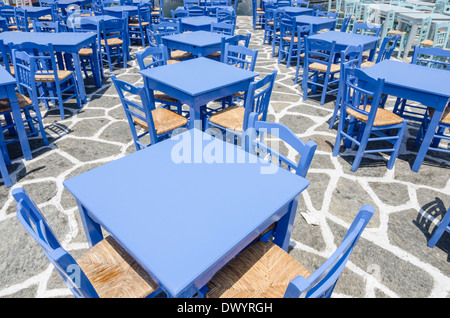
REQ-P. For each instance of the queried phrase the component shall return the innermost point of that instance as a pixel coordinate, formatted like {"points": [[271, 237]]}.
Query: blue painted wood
{"points": [[321, 283], [216, 229], [63, 43], [208, 80], [296, 11], [139, 32], [361, 94], [222, 28], [117, 11], [4, 161], [425, 85], [316, 23], [444, 225], [114, 29], [201, 23]]}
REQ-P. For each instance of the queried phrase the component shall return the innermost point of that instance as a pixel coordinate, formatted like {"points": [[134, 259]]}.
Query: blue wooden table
{"points": [[344, 39], [428, 86], [8, 90], [199, 43], [315, 23], [197, 82], [197, 23], [37, 12], [183, 237], [64, 42], [296, 11], [117, 11], [3, 24]]}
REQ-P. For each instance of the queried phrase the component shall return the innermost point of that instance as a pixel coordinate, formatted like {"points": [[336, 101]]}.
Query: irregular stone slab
{"points": [[391, 193], [297, 123], [49, 166], [117, 132], [89, 127], [41, 192], [87, 150]]}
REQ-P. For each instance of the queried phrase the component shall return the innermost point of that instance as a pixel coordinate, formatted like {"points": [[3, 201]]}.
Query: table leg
{"points": [[412, 35], [92, 229], [97, 66], [285, 224], [428, 137], [79, 77], [17, 115]]}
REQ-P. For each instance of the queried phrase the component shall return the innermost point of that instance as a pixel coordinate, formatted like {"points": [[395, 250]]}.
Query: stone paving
{"points": [[391, 259]]}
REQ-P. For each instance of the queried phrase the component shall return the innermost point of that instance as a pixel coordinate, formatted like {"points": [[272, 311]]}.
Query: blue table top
{"points": [[416, 77], [197, 38], [345, 39], [198, 76], [149, 202], [121, 8], [296, 10], [59, 40], [198, 21], [5, 77], [313, 20]]}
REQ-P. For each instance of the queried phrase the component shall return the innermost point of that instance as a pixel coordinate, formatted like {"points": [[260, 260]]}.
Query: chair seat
{"points": [[23, 100], [46, 18], [172, 61], [179, 55], [164, 121], [114, 273], [262, 270], [367, 64], [323, 68], [397, 32], [383, 117], [288, 39], [445, 116], [231, 117], [85, 52], [135, 23], [215, 54], [112, 41], [270, 23], [163, 96], [427, 42], [42, 77]]}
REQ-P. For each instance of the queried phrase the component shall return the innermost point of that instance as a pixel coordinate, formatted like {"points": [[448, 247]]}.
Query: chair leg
{"points": [[440, 230], [397, 145]]}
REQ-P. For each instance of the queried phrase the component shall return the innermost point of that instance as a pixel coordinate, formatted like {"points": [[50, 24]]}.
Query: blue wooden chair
{"points": [[225, 15], [302, 31], [21, 17], [367, 28], [222, 28], [258, 12], [268, 24], [114, 41], [235, 119], [326, 14], [44, 26], [154, 57], [158, 123], [289, 40], [386, 50], [279, 12], [284, 3], [263, 269], [351, 57], [345, 23], [137, 27], [52, 82], [238, 39], [300, 3], [361, 97], [105, 270], [167, 28], [443, 226], [433, 57], [319, 58], [190, 3], [179, 13], [196, 11]]}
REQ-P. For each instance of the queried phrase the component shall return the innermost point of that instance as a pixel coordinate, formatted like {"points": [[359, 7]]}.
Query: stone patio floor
{"points": [[391, 259]]}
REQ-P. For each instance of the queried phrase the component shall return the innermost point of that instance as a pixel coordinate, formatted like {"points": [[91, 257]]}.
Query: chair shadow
{"points": [[433, 210]]}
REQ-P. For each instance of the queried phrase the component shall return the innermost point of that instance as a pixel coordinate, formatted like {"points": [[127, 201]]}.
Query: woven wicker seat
{"points": [[263, 270], [62, 74], [172, 61], [396, 32], [22, 99], [164, 121], [112, 41], [427, 42], [383, 118], [445, 116], [85, 52], [323, 68], [114, 273], [179, 55], [136, 23], [231, 117], [287, 38]]}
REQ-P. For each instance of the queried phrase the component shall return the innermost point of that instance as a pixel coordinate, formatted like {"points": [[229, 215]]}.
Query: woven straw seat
{"points": [[323, 68], [214, 54], [136, 23], [22, 99], [367, 64], [397, 32], [262, 270], [114, 273], [179, 55], [231, 117], [12, 27], [62, 74], [85, 52], [445, 116], [270, 23], [172, 61], [383, 117], [164, 121], [288, 39], [427, 42], [46, 18], [112, 41]]}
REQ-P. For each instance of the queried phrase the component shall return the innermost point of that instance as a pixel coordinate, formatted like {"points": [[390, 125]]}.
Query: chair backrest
{"points": [[300, 3], [195, 11], [345, 23], [114, 28], [190, 3], [360, 92], [319, 51], [21, 19], [144, 12], [434, 57], [260, 128], [46, 3], [321, 283], [35, 223], [234, 40], [137, 113], [367, 28], [240, 56], [316, 8], [326, 14], [222, 28], [225, 15], [179, 13], [388, 23], [387, 47], [44, 26], [408, 5], [166, 28], [284, 3], [441, 31], [424, 29], [439, 6], [152, 56], [287, 26]]}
